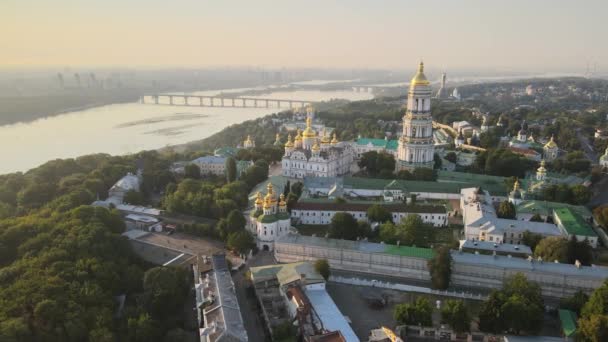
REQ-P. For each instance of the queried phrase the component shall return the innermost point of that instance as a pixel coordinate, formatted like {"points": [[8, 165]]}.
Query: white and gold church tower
{"points": [[416, 146]]}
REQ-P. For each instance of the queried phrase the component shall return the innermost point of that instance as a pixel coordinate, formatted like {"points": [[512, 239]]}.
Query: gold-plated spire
{"points": [[516, 184], [334, 140], [309, 132], [298, 135], [419, 78], [325, 139], [259, 200], [551, 143], [289, 143], [282, 202]]}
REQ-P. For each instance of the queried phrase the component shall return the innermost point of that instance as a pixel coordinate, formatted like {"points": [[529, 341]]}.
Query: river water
{"points": [[132, 127]]}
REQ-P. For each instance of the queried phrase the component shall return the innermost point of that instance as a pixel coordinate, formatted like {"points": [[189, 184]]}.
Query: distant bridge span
{"points": [[222, 101]]}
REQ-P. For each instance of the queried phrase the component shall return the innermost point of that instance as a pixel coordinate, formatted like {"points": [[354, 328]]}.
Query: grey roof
{"points": [[225, 312], [210, 160], [498, 247], [363, 246], [595, 272]]}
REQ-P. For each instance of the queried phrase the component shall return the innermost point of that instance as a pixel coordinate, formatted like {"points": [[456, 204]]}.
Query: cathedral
{"points": [[312, 155], [416, 147], [270, 219]]}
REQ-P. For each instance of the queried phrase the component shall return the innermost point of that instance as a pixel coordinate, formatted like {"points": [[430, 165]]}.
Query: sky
{"points": [[551, 35]]}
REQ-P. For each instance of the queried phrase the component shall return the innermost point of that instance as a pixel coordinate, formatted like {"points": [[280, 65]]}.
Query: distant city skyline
{"points": [[448, 35]]}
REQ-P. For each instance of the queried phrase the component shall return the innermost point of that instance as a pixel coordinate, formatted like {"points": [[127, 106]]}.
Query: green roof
{"points": [[494, 184], [573, 223], [568, 319], [415, 252], [287, 273], [387, 144], [409, 185], [268, 218], [546, 208]]}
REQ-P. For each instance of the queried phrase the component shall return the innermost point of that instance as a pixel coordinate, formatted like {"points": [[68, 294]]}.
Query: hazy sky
{"points": [[447, 34]]}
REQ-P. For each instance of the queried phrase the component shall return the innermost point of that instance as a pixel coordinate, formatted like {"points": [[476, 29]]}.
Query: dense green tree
{"points": [[296, 188], [517, 308], [437, 162], [378, 213], [451, 157], [593, 321], [322, 266], [506, 210], [536, 218], [572, 162], [192, 171], [418, 313], [240, 241], [375, 163], [531, 239], [410, 231], [143, 329], [440, 268], [579, 250], [230, 169], [574, 303], [552, 248], [134, 197], [165, 290], [343, 226], [456, 314], [601, 215]]}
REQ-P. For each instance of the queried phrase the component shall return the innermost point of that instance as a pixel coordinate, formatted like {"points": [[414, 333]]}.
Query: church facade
{"points": [[269, 219], [311, 154], [416, 146]]}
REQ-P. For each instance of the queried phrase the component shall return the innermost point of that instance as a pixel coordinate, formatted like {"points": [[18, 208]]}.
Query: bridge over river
{"points": [[221, 101]]}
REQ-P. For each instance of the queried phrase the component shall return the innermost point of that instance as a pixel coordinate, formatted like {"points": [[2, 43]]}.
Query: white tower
{"points": [[416, 147]]}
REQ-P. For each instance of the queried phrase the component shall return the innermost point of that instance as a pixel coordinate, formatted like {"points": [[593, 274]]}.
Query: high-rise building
{"points": [[416, 147]]}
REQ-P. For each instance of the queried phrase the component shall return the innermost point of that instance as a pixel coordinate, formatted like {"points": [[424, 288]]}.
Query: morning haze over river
{"points": [[132, 127]]}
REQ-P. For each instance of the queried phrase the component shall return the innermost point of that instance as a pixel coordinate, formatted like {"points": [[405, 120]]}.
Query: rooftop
{"points": [[568, 320], [224, 313], [573, 223], [545, 208], [331, 205], [209, 160], [362, 246], [330, 315], [287, 273], [498, 247], [383, 143]]}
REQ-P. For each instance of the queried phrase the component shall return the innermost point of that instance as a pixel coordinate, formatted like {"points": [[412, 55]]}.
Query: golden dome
{"points": [[282, 202], [419, 78], [269, 188], [542, 166], [259, 200], [289, 143], [551, 143], [309, 132], [334, 140], [299, 135], [316, 147], [325, 139]]}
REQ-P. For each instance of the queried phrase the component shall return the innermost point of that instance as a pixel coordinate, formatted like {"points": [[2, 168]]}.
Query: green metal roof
{"points": [[546, 208], [573, 223], [287, 273], [387, 144], [415, 252], [411, 186], [494, 184], [568, 320]]}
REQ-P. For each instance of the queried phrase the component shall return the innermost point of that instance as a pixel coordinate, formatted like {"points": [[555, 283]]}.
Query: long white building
{"points": [[321, 212], [410, 263]]}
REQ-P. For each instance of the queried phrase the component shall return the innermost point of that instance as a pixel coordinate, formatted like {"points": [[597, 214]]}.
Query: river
{"points": [[128, 128]]}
